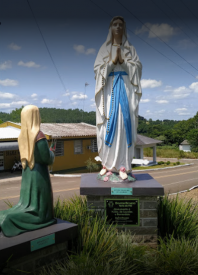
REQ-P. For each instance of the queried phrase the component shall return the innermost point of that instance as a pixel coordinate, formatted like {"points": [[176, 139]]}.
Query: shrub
{"points": [[181, 154], [91, 165], [168, 162], [178, 162], [159, 163], [175, 257], [177, 218], [174, 163]]}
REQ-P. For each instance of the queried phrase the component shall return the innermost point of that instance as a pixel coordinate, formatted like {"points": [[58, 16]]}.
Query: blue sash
{"points": [[118, 97]]}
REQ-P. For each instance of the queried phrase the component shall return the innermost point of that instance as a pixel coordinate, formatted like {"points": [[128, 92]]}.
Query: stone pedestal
{"points": [[32, 250], [143, 193]]}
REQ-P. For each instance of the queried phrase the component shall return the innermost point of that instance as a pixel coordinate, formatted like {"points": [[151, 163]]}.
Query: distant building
{"points": [[75, 143], [185, 146], [145, 142]]}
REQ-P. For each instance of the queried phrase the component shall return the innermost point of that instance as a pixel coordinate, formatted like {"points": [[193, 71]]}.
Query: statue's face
{"points": [[117, 27]]}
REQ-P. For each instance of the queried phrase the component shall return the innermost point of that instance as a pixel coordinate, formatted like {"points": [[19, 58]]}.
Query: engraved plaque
{"points": [[122, 211], [42, 242], [121, 191]]}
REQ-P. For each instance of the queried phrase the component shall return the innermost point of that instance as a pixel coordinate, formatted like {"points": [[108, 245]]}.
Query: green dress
{"points": [[35, 207]]}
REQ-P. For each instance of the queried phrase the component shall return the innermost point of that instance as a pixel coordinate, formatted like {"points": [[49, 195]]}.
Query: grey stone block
{"points": [[151, 198], [150, 205], [149, 222], [148, 213]]}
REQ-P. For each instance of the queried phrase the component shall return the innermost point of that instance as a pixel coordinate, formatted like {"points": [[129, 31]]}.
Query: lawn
{"points": [[172, 164], [168, 152]]}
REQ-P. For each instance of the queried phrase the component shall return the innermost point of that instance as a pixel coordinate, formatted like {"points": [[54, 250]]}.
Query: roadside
{"points": [[8, 176]]}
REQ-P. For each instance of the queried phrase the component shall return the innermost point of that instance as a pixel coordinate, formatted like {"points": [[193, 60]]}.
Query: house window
{"points": [[78, 148], [59, 148], [94, 147]]}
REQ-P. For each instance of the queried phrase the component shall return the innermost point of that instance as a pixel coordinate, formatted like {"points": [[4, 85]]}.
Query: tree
{"points": [[15, 115], [192, 138]]}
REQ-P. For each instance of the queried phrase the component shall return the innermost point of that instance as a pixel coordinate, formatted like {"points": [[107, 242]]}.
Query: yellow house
{"points": [[75, 143]]}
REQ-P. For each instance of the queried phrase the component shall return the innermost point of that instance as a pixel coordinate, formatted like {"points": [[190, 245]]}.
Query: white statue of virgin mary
{"points": [[117, 94]]}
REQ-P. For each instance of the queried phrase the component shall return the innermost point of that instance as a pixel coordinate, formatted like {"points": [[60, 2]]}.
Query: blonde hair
{"points": [[30, 127]]}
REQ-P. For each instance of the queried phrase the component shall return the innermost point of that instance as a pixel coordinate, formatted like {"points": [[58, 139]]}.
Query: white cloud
{"points": [[14, 47], [78, 96], [186, 44], [150, 83], [13, 104], [144, 100], [47, 101], [29, 64], [197, 76], [74, 103], [9, 82], [93, 105], [20, 103], [182, 111], [148, 111], [160, 112], [194, 87], [34, 96], [164, 31], [93, 99], [178, 93], [7, 95], [90, 51], [51, 101], [178, 96], [81, 49], [162, 101], [66, 94], [6, 65], [183, 114]]}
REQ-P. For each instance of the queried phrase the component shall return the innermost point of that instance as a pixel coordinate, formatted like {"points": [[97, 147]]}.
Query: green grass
{"points": [[102, 250], [177, 218], [170, 153], [155, 166]]}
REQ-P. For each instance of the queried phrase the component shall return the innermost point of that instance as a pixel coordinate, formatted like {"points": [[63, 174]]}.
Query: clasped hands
{"points": [[118, 57]]}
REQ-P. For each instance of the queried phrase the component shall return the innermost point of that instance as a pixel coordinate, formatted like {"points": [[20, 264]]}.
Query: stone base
{"points": [[145, 189], [23, 259]]}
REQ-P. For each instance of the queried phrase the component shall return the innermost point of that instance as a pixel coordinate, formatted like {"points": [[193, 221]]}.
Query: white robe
{"points": [[118, 155]]}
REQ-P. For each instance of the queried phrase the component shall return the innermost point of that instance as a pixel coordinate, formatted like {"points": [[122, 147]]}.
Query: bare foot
{"points": [[123, 173], [103, 171]]}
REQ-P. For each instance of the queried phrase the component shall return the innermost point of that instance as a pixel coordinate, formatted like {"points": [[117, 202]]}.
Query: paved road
{"points": [[173, 180]]}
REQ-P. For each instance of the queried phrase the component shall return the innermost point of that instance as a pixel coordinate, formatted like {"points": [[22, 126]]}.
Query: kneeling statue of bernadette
{"points": [[35, 207], [117, 94]]}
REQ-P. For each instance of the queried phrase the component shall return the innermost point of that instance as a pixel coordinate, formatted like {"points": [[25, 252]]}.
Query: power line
{"points": [[157, 35], [188, 9], [147, 42], [180, 18], [173, 22], [47, 48]]}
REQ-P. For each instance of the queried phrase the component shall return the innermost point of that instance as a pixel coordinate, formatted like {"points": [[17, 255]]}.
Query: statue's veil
{"points": [[109, 39], [30, 127]]}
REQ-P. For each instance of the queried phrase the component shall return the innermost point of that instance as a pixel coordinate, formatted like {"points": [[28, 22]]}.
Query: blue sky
{"points": [[74, 33]]}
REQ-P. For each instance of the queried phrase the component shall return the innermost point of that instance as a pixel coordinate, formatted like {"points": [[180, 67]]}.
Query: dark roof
{"points": [[142, 140], [185, 142]]}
